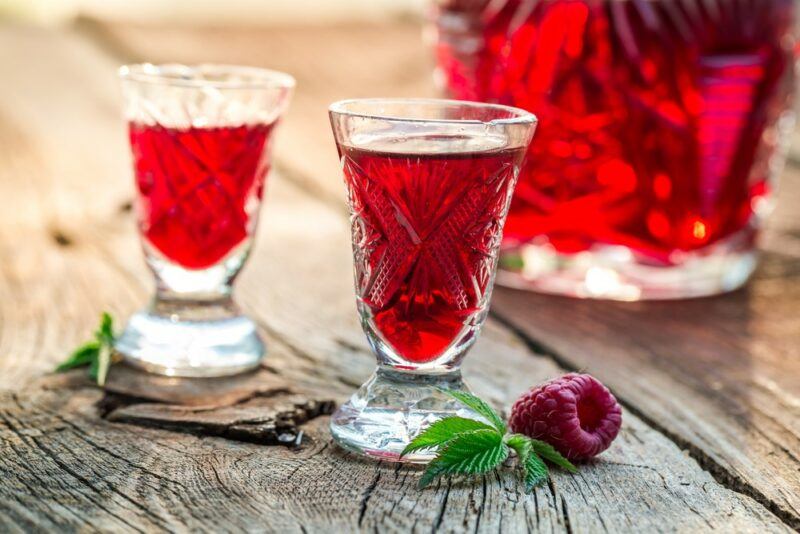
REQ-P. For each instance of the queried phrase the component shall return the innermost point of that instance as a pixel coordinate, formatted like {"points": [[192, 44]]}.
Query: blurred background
{"points": [[248, 12], [621, 138], [66, 159], [334, 48]]}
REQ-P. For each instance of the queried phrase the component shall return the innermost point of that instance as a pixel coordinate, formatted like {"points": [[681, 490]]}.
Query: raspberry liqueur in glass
{"points": [[664, 125], [429, 185], [188, 216], [200, 139]]}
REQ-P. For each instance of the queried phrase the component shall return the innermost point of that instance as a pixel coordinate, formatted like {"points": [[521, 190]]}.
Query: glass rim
{"points": [[174, 74], [521, 116]]}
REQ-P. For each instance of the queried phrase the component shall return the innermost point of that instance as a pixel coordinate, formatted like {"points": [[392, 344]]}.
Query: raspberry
{"points": [[575, 413]]}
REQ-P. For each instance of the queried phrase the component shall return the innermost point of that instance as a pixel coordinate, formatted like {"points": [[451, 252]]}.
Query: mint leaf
{"points": [[103, 363], [98, 354], [433, 471], [442, 431], [480, 407], [546, 451], [522, 446], [83, 355], [535, 472], [105, 332], [535, 469], [469, 453], [469, 447], [94, 367]]}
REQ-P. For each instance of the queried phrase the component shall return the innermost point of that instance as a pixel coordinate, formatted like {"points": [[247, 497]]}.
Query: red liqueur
{"points": [[198, 188], [426, 230], [656, 117]]}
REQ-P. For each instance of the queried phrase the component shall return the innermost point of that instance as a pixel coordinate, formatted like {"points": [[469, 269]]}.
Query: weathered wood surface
{"points": [[721, 376], [68, 250], [259, 407]]}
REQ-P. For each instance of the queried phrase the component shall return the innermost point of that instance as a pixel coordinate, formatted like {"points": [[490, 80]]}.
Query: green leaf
{"points": [[469, 447], [105, 333], [433, 471], [97, 354], [535, 472], [546, 451], [442, 431], [512, 262], [535, 469], [522, 445], [83, 355], [469, 453], [480, 407], [103, 363], [93, 368]]}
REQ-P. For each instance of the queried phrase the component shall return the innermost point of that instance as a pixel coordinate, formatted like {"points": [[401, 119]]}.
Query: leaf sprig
{"points": [[98, 353], [471, 447]]}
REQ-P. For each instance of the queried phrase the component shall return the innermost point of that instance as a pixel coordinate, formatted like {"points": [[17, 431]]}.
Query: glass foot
{"points": [[614, 273], [391, 408], [180, 344]]}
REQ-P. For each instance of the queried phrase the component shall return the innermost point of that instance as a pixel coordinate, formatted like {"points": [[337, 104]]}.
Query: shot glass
{"points": [[200, 138], [429, 185]]}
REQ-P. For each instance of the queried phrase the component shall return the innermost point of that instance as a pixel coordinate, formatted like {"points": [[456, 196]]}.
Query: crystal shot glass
{"points": [[429, 184], [200, 138]]}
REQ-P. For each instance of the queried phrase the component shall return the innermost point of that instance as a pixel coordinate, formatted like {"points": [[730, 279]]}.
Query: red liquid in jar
{"points": [[656, 118], [198, 188], [426, 229]]}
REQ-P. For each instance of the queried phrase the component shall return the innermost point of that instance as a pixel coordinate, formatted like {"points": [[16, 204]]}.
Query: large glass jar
{"points": [[663, 126]]}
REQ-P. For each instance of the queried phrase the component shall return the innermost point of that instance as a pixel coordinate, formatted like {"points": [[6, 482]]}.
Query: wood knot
{"points": [[60, 238], [126, 206]]}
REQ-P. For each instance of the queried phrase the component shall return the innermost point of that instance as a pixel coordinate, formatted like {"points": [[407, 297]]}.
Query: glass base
{"points": [[200, 340], [391, 408], [613, 273]]}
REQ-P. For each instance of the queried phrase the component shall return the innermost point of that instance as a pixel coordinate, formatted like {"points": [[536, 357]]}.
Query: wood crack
{"points": [[273, 419], [719, 472], [368, 494], [88, 483], [257, 407], [33, 490], [442, 506], [84, 436], [565, 513], [482, 506]]}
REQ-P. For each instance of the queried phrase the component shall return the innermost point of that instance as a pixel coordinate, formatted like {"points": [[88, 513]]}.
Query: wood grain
{"points": [[69, 250], [720, 376], [274, 419], [66, 469]]}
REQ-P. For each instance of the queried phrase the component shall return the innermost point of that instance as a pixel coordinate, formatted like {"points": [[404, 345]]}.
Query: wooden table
{"points": [[711, 388]]}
